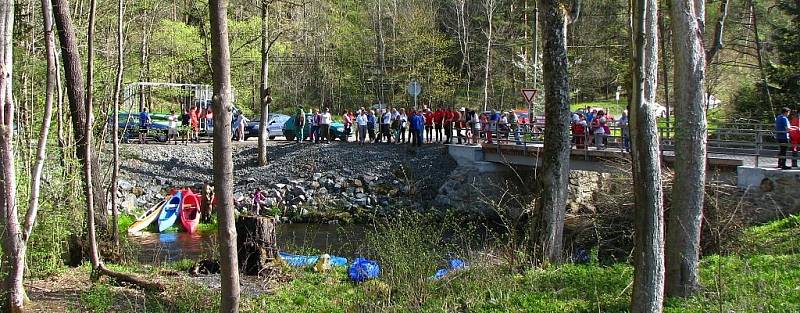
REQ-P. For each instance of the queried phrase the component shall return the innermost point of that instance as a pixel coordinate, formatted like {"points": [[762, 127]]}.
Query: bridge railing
{"points": [[754, 140]]}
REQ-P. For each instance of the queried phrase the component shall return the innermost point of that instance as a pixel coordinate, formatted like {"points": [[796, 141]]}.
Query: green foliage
{"points": [[99, 298], [781, 237]]}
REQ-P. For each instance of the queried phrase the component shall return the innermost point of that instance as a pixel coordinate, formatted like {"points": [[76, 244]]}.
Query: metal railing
{"points": [[754, 140]]}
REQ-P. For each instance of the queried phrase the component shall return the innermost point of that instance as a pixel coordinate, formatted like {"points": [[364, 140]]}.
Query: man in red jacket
{"points": [[449, 118], [438, 120], [428, 115]]}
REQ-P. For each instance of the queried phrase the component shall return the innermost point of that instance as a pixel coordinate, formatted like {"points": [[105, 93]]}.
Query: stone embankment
{"points": [[342, 182]]}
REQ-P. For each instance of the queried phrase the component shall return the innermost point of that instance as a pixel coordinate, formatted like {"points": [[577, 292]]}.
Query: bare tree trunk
{"points": [[264, 90], [489, 7], [115, 127], [719, 28], [73, 74], [554, 175], [223, 160], [759, 54], [13, 246], [648, 255], [686, 214], [41, 148], [94, 255]]}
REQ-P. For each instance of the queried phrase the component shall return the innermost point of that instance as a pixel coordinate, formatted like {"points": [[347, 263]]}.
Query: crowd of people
{"points": [[593, 126]]}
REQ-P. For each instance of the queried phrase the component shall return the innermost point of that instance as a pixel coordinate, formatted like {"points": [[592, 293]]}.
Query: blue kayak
{"points": [[170, 212], [309, 260]]}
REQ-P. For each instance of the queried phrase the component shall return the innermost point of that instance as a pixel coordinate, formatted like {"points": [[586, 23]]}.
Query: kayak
{"points": [[190, 211], [170, 212], [146, 218], [308, 260]]}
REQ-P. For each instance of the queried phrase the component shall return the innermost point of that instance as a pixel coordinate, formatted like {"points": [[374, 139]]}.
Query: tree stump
{"points": [[257, 243]]}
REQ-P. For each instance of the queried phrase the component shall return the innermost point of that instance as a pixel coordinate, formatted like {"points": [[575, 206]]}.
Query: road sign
{"points": [[414, 88], [528, 94]]}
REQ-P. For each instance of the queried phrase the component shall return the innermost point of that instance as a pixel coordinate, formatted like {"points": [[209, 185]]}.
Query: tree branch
{"points": [[717, 43], [574, 11]]}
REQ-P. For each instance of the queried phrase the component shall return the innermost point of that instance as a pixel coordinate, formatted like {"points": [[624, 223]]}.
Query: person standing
{"points": [[403, 124], [299, 124], [361, 121], [417, 126], [172, 133], [386, 121], [314, 132], [194, 119], [186, 124], [144, 125], [438, 121], [371, 125], [460, 124], [782, 128], [428, 125], [206, 202], [242, 127], [325, 120], [348, 125], [625, 131], [513, 123]]}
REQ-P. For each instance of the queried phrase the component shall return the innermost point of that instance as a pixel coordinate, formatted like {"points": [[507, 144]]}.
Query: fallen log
{"points": [[132, 279]]}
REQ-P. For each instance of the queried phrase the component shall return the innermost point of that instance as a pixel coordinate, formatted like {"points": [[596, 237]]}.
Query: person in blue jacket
{"points": [[417, 127], [782, 128]]}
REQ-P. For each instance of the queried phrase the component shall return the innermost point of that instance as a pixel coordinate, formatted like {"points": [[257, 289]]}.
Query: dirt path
{"points": [[58, 293]]}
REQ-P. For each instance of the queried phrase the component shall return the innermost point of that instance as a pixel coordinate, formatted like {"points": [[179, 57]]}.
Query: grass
{"points": [[762, 278]]}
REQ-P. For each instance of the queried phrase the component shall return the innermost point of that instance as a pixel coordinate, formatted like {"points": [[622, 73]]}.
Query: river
{"points": [[339, 240]]}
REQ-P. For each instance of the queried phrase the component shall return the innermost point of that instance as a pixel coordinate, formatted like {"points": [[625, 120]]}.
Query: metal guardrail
{"points": [[736, 139]]}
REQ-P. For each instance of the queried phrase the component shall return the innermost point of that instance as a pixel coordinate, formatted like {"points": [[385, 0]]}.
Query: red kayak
{"points": [[190, 211]]}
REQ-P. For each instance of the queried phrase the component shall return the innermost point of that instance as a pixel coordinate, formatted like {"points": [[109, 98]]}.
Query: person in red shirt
{"points": [[794, 138], [449, 118], [194, 118], [438, 120], [428, 115]]}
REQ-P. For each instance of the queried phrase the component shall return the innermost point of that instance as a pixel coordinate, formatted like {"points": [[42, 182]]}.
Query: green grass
{"points": [[763, 278]]}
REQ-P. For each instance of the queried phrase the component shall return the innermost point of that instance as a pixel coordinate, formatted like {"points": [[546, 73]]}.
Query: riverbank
{"points": [[761, 276], [323, 183]]}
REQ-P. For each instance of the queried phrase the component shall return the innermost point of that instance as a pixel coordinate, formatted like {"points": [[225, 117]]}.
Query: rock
{"points": [[361, 195], [358, 183], [316, 176], [270, 202], [125, 185], [315, 184], [322, 191], [279, 186]]}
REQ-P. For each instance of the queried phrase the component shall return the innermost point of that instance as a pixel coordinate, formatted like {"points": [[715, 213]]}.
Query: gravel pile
{"points": [[308, 182]]}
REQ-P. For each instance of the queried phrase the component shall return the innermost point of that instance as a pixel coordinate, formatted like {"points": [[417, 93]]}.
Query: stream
{"points": [[339, 240]]}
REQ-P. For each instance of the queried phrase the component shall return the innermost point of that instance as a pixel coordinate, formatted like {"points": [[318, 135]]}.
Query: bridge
{"points": [[748, 149]]}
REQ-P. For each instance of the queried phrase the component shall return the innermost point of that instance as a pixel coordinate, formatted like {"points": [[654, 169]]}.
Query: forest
{"points": [[71, 68]]}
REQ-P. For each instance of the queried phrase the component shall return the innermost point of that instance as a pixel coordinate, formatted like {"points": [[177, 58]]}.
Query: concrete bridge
{"points": [[745, 150]]}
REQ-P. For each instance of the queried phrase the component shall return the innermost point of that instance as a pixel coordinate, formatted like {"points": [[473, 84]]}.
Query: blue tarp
{"points": [[363, 269], [309, 260], [453, 264]]}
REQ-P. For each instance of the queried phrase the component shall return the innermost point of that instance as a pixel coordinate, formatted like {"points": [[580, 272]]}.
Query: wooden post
{"points": [[256, 242]]}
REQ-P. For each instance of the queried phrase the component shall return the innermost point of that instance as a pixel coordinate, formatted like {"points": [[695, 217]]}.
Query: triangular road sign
{"points": [[528, 94]]}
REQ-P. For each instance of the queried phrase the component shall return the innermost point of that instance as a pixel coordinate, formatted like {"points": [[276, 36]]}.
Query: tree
{"points": [[489, 7], [89, 190], [73, 76], [116, 99], [554, 175], [13, 247], [266, 44], [686, 213], [648, 253], [223, 158]]}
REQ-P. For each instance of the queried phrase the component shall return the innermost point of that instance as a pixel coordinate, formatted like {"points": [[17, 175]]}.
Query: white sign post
{"points": [[528, 94], [414, 89]]}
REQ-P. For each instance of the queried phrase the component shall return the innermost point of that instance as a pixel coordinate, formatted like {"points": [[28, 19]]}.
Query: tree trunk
{"points": [[554, 175], [686, 212], [13, 246], [648, 255], [89, 190], [264, 90], [223, 160], [73, 74], [759, 54], [489, 6], [115, 127], [41, 149], [257, 243]]}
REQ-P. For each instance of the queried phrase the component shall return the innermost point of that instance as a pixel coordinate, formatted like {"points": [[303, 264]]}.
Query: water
{"points": [[155, 248]]}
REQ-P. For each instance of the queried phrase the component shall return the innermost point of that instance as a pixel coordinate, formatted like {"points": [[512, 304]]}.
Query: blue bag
{"points": [[455, 264], [363, 269]]}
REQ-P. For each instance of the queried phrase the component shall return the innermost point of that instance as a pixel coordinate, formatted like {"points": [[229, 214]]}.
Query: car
{"points": [[129, 126], [290, 133], [274, 127]]}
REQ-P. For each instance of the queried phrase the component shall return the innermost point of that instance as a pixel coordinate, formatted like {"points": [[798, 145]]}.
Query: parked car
{"points": [[290, 133], [274, 126], [129, 126]]}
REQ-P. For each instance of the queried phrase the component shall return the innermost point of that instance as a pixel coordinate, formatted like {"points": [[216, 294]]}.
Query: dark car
{"points": [[129, 126], [289, 131]]}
